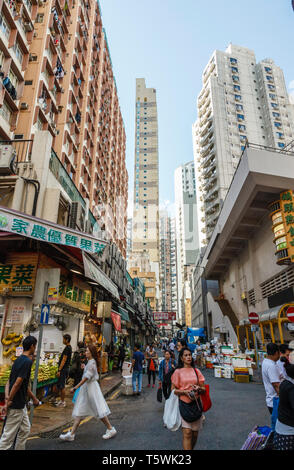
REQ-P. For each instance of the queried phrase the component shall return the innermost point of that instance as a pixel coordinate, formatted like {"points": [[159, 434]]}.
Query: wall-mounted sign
{"points": [[282, 216], [75, 293], [38, 229], [164, 316], [18, 274]]}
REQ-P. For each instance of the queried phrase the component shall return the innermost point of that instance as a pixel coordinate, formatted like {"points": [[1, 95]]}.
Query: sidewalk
{"points": [[48, 419]]}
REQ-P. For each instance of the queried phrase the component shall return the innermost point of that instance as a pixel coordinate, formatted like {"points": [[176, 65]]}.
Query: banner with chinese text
{"points": [[18, 274]]}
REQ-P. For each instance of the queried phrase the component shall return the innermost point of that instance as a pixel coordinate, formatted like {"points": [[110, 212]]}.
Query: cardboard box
{"points": [[217, 371], [127, 380], [127, 390]]}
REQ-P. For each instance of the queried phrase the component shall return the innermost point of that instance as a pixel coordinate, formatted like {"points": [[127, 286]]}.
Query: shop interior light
{"points": [[93, 283], [76, 271]]}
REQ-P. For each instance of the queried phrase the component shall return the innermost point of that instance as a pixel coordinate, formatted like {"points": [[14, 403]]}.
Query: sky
{"points": [[169, 43]]}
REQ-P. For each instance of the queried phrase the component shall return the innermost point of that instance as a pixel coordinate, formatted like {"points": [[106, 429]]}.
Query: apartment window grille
{"points": [[4, 26], [277, 283], [233, 60], [238, 97], [268, 69], [237, 88], [274, 105], [5, 112], [18, 52], [235, 78]]}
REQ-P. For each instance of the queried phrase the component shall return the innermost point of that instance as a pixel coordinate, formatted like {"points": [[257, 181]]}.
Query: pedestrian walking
{"points": [[63, 372], [17, 424], [284, 431], [90, 400], [284, 353], [188, 384], [78, 363], [179, 346], [166, 368], [271, 374], [137, 369], [121, 355], [171, 346], [151, 357]]}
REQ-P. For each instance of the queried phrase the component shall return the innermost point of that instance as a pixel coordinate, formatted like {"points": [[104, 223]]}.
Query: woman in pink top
{"points": [[184, 381]]}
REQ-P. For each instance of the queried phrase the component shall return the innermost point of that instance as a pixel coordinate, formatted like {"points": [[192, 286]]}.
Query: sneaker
{"points": [[153, 385], [60, 404], [138, 393], [148, 385], [67, 437], [110, 433]]}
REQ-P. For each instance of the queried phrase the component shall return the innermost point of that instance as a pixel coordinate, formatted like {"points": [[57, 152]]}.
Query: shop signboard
{"points": [[18, 274], [74, 293], [17, 314], [287, 210], [116, 320], [38, 229], [164, 316], [104, 309]]}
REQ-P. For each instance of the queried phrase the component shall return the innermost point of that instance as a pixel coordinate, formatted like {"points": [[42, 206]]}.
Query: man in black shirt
{"points": [[17, 420], [63, 371]]}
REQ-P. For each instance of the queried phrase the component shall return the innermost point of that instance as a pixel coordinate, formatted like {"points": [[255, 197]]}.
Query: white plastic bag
{"points": [[171, 417]]}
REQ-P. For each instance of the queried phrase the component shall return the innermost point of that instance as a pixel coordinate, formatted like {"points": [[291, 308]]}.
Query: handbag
{"points": [[191, 412], [159, 395], [152, 366], [74, 398], [205, 397]]}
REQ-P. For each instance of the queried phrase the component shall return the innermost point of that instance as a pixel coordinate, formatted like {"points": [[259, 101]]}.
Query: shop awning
{"points": [[130, 309], [124, 314], [92, 271]]}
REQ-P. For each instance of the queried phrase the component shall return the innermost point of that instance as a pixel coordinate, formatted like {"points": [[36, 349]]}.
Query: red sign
{"points": [[253, 317], [164, 316], [116, 321], [290, 314]]}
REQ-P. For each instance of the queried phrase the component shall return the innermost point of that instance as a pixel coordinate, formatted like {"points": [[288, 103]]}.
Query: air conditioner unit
{"points": [[7, 157], [77, 216], [24, 106], [28, 27]]}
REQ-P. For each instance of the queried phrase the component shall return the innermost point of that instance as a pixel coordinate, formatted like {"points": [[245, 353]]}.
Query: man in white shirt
{"points": [[171, 346], [284, 352], [271, 374]]}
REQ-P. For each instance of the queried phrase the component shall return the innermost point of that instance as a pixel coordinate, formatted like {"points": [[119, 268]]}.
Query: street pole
{"points": [[256, 351], [102, 335], [35, 383]]}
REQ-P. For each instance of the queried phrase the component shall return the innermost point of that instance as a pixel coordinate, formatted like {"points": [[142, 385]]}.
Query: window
{"points": [[276, 115], [240, 117], [272, 96], [274, 105], [5, 112], [243, 148], [268, 69], [239, 107], [237, 88], [280, 135], [233, 61], [243, 137], [241, 127], [281, 145], [277, 124], [4, 26], [271, 87], [235, 78], [269, 78], [234, 69], [238, 97]]}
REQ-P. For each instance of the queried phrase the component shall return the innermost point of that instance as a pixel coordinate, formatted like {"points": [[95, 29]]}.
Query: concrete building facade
{"points": [[168, 276], [186, 224], [146, 184], [240, 101], [57, 76]]}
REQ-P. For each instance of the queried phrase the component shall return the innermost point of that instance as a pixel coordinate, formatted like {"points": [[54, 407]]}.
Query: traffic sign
{"points": [[45, 312], [290, 314], [253, 318]]}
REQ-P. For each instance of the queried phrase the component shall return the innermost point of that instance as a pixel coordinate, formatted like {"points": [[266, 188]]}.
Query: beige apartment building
{"points": [[57, 77], [149, 281], [146, 191]]}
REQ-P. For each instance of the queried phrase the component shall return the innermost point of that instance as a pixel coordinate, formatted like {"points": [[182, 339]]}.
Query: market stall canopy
{"points": [[195, 332], [92, 271], [124, 314], [42, 230]]}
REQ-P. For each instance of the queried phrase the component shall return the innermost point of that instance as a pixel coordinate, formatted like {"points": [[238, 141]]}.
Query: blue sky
{"points": [[169, 42]]}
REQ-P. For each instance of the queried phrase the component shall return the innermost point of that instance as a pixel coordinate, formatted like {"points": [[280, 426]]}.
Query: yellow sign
{"points": [[287, 208], [18, 274], [75, 293]]}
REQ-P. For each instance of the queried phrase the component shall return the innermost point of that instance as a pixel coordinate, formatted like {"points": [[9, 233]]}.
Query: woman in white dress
{"points": [[90, 400]]}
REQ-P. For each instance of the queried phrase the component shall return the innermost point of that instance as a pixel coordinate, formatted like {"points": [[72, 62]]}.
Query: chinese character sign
{"points": [[287, 209], [34, 228], [18, 275], [75, 293]]}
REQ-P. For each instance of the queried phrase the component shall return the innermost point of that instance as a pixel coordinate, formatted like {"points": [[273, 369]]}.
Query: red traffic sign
{"points": [[290, 314], [253, 318]]}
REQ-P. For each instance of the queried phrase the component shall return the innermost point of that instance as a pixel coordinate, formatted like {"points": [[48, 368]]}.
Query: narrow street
{"points": [[138, 420]]}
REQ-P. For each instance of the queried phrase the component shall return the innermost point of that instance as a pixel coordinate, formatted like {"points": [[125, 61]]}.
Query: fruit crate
{"points": [[39, 385], [242, 379]]}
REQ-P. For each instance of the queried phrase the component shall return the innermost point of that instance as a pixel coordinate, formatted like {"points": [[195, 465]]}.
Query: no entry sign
{"points": [[290, 314], [253, 318]]}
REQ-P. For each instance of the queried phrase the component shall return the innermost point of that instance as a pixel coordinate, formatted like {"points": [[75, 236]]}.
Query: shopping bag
{"points": [[152, 365], [205, 397], [275, 412], [255, 439], [74, 398], [171, 417], [159, 394]]}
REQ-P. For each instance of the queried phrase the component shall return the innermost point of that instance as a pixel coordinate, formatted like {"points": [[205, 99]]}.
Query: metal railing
{"points": [[23, 149]]}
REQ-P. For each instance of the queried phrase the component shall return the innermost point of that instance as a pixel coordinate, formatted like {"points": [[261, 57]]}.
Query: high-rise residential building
{"points": [[129, 237], [186, 224], [57, 75], [168, 275], [146, 197], [240, 101]]}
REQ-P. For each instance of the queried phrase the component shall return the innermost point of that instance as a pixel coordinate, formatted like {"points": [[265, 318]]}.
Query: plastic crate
{"points": [[242, 379]]}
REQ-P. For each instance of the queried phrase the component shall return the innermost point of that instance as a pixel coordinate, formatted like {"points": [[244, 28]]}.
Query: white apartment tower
{"points": [[168, 268], [240, 101], [146, 197], [186, 224]]}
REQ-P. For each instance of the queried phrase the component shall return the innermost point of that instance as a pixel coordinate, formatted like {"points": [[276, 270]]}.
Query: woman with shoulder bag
{"points": [[151, 357], [188, 384], [166, 368]]}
